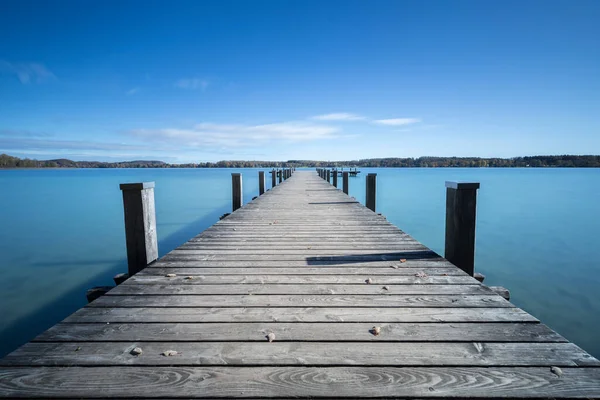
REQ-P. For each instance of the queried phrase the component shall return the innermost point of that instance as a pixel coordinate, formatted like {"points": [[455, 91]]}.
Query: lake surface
{"points": [[61, 232]]}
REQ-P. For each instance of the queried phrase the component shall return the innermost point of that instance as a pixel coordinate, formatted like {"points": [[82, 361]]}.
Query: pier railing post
{"points": [[140, 225], [371, 191], [236, 190], [328, 176], [461, 204], [280, 175], [261, 182], [345, 181], [273, 179], [335, 176]]}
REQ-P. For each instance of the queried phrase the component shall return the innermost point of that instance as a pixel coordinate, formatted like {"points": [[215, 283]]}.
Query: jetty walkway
{"points": [[303, 292]]}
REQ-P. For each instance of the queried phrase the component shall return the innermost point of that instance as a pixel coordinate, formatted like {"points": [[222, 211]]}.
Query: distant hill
{"points": [[567, 161]]}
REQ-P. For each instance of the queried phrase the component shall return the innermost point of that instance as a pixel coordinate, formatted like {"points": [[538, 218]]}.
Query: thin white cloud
{"points": [[397, 121], [13, 143], [339, 117], [133, 91], [27, 72], [192, 84], [216, 136]]}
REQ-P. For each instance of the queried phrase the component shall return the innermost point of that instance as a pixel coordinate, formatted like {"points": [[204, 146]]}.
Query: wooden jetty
{"points": [[302, 292]]}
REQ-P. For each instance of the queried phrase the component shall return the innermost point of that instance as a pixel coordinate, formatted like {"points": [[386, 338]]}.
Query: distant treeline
{"points": [[7, 161]]}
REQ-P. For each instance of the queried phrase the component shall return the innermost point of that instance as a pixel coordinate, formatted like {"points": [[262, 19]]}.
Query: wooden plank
{"points": [[209, 276], [299, 381], [304, 252], [298, 331], [168, 288], [303, 353], [312, 257], [266, 314], [244, 248], [302, 301], [408, 265]]}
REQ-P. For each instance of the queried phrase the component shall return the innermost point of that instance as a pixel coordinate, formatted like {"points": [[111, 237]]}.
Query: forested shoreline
{"points": [[563, 161]]}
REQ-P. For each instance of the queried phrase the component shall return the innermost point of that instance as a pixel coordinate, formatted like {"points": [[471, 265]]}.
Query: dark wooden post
{"points": [[140, 225], [261, 182], [273, 179], [345, 181], [328, 176], [371, 191], [461, 204], [280, 175], [236, 190], [335, 174]]}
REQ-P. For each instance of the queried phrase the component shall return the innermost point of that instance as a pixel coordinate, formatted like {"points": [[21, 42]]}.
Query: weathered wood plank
{"points": [[395, 251], [298, 256], [302, 301], [244, 247], [350, 314], [249, 276], [190, 262], [302, 353], [183, 288], [326, 331], [333, 382]]}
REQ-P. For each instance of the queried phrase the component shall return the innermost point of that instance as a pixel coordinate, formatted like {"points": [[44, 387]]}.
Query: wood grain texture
{"points": [[302, 353], [340, 265], [316, 300], [334, 332], [359, 287], [298, 314], [288, 382], [209, 276]]}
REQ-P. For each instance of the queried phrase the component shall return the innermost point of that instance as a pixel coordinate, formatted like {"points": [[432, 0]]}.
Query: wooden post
{"points": [[345, 181], [236, 190], [140, 225], [273, 179], [280, 175], [328, 179], [461, 204], [261, 182], [371, 191], [335, 176]]}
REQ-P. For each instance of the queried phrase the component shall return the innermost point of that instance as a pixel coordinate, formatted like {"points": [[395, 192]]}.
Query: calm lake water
{"points": [[61, 232]]}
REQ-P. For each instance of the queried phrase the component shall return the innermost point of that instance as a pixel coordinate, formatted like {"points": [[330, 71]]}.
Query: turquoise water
{"points": [[61, 232]]}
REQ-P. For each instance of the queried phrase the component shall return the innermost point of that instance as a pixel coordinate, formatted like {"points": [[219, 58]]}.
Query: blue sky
{"points": [[276, 80]]}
